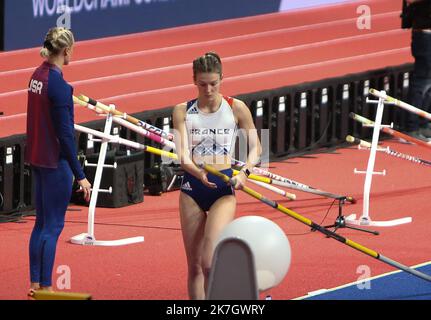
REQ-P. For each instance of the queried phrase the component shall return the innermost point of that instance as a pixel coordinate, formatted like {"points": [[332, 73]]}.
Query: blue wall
{"points": [[27, 21], [302, 4]]}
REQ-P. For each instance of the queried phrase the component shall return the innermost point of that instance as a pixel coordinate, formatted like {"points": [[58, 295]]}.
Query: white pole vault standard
{"points": [[365, 218], [89, 237], [401, 104], [158, 136]]}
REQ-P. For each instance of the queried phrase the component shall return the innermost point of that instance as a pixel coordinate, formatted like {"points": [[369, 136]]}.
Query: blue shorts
{"points": [[201, 194]]}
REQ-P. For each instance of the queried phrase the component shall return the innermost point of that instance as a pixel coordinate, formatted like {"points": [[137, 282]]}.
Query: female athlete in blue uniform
{"points": [[51, 152], [206, 130]]}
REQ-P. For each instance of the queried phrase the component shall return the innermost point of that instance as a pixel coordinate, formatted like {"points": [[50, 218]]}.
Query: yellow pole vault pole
{"points": [[48, 295], [315, 226], [167, 138], [272, 178], [235, 172]]}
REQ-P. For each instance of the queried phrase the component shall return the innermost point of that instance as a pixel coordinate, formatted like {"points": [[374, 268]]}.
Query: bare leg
{"points": [[192, 225], [221, 213], [34, 285]]}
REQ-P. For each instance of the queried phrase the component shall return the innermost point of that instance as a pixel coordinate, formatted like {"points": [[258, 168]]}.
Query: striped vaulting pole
{"points": [[389, 151], [401, 104], [166, 137], [390, 131], [125, 116], [261, 181], [320, 228]]}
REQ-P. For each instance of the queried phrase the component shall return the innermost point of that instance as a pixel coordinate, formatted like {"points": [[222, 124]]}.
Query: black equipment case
{"points": [[127, 180]]}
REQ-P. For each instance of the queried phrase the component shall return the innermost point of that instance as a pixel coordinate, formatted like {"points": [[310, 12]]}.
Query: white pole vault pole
{"points": [[401, 104]]}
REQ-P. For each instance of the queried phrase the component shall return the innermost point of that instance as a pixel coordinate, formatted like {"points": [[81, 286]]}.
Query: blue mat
{"points": [[394, 286]]}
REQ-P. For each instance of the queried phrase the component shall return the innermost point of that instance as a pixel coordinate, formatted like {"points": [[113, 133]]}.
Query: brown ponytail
{"points": [[208, 63]]}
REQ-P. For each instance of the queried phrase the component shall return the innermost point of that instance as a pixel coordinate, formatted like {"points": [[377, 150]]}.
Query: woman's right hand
{"points": [[204, 179], [86, 188]]}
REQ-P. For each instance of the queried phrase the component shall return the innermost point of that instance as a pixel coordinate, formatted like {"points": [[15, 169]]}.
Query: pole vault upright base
{"points": [[342, 222], [88, 238], [365, 219]]}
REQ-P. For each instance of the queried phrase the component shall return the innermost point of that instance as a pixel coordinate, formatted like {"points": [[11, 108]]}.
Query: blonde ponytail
{"points": [[56, 40], [44, 52]]}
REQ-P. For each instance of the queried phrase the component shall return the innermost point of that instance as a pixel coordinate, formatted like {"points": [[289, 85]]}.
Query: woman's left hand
{"points": [[85, 188], [239, 180]]}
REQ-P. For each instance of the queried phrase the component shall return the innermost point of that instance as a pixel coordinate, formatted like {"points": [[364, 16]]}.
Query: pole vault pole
{"points": [[315, 226], [389, 151], [261, 181], [401, 104], [127, 117], [134, 127], [273, 178], [390, 131]]}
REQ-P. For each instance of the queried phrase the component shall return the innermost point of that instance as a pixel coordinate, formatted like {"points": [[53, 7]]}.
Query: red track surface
{"points": [[152, 70], [156, 268]]}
